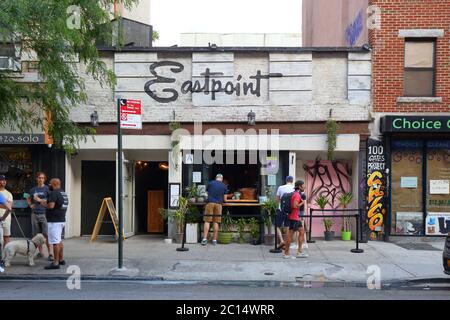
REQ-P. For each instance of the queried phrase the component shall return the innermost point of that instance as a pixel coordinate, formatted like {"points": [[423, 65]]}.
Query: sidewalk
{"points": [[147, 257]]}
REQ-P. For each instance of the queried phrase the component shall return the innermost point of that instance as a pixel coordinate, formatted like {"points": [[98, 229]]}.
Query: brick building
{"points": [[409, 155]]}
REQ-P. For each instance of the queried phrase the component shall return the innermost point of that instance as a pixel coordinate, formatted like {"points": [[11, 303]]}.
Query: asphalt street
{"points": [[164, 290]]}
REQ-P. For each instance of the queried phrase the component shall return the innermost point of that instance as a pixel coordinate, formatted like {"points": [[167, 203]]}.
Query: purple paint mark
{"points": [[354, 29]]}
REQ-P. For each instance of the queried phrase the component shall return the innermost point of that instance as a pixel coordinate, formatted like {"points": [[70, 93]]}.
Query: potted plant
{"points": [[269, 207], [200, 195], [225, 235], [191, 193], [254, 230], [192, 221], [241, 224], [177, 216], [322, 202], [346, 232]]}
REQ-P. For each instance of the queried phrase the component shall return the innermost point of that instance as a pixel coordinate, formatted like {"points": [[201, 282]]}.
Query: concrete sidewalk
{"points": [[147, 257]]}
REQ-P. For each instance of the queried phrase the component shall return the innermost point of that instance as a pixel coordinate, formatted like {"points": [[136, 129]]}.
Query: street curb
{"points": [[86, 278]]}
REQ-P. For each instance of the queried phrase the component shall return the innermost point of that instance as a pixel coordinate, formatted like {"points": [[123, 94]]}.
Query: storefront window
{"points": [[438, 193], [407, 187], [16, 164]]}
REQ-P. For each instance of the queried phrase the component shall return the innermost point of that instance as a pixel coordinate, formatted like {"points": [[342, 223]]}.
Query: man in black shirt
{"points": [[56, 207]]}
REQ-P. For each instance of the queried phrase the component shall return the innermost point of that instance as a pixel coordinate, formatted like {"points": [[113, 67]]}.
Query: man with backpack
{"points": [[293, 202], [281, 220]]}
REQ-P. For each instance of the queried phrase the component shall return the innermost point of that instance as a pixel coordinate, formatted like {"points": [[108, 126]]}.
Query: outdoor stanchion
{"points": [[310, 226], [183, 248], [357, 250], [275, 249]]}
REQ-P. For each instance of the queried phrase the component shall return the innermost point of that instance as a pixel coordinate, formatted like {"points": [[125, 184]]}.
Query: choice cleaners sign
{"points": [[415, 124]]}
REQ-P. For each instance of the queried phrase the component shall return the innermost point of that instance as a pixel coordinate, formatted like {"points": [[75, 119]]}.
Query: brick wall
{"points": [[388, 53]]}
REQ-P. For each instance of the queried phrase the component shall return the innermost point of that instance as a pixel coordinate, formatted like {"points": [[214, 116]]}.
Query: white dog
{"points": [[27, 248]]}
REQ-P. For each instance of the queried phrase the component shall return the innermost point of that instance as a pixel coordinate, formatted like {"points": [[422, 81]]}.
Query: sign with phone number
{"points": [[17, 138]]}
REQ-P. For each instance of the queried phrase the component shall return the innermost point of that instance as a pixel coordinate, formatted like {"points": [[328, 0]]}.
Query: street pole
{"points": [[120, 186]]}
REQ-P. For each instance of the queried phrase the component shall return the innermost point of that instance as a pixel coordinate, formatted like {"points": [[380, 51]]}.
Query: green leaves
{"points": [[43, 30], [331, 126]]}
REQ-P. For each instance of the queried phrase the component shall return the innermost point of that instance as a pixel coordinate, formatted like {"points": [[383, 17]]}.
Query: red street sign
{"points": [[130, 114]]}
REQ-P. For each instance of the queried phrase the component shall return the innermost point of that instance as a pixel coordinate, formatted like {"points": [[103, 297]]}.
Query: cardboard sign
{"points": [[439, 186], [408, 182], [130, 114]]}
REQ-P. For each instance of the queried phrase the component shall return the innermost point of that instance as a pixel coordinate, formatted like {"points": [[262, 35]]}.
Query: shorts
{"points": [[213, 209], [6, 227], [39, 224], [54, 232], [295, 225], [281, 219]]}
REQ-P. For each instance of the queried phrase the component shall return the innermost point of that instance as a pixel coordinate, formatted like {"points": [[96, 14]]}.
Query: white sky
{"points": [[172, 17]]}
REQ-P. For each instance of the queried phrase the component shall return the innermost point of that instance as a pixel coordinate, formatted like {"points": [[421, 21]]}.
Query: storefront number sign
{"points": [[130, 114], [375, 187]]}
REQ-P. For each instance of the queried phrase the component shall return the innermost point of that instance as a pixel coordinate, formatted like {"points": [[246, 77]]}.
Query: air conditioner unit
{"points": [[6, 63]]}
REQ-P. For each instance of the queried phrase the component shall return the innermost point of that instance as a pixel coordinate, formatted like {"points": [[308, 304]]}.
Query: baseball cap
{"points": [[2, 177], [289, 179]]}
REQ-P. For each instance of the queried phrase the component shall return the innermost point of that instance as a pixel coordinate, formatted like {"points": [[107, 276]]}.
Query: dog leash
{"points": [[20, 228]]}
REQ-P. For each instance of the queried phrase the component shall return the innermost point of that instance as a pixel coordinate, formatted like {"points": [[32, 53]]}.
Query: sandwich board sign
{"points": [[107, 203], [130, 114]]}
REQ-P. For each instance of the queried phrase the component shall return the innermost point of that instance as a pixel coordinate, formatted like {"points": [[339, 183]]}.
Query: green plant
{"points": [[345, 199], [269, 210], [227, 223], [254, 228], [328, 224], [192, 191], [322, 202], [177, 215], [331, 126], [193, 215], [241, 224]]}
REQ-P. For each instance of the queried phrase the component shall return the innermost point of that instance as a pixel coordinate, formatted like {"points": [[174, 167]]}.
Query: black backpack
{"points": [[285, 203]]}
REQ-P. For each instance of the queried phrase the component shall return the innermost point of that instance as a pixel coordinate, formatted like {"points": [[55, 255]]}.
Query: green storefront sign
{"points": [[415, 124]]}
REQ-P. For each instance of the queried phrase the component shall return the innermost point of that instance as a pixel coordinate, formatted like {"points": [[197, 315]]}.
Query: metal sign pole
{"points": [[120, 186]]}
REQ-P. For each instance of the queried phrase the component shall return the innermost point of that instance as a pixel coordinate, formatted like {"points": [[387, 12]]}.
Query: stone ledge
{"points": [[419, 100], [421, 33]]}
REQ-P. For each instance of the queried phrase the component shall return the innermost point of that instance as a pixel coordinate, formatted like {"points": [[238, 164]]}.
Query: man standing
{"points": [[294, 220], [6, 206], [5, 217], [216, 195], [281, 219], [301, 231], [56, 205], [38, 219]]}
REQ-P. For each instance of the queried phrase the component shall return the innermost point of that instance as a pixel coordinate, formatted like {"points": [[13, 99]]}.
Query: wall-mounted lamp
{"points": [[94, 119], [251, 116], [163, 166]]}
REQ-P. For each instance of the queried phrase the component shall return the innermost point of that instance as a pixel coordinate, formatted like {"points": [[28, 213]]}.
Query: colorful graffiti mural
{"points": [[330, 179], [375, 188]]}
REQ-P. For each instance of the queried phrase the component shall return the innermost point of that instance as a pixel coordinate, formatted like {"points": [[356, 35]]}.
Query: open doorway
{"points": [[151, 194]]}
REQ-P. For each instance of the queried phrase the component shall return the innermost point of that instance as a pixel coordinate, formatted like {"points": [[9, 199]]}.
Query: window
{"points": [[419, 68], [8, 57]]}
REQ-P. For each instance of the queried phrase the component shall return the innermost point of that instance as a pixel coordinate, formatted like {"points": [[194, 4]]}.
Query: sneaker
{"points": [[50, 258], [2, 270], [302, 255], [62, 263], [39, 255], [288, 257], [204, 242], [214, 242], [51, 266]]}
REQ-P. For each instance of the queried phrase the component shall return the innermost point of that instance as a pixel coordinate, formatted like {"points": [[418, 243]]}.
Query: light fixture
{"points": [[94, 119], [251, 118], [163, 166]]}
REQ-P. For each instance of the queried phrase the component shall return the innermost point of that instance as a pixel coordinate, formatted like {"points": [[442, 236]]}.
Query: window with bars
{"points": [[419, 76]]}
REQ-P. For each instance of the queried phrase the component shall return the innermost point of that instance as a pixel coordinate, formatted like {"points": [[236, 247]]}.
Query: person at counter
{"points": [[216, 196]]}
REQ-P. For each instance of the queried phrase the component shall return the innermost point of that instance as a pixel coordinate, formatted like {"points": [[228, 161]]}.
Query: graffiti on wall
{"points": [[330, 179], [376, 188], [354, 29], [327, 178]]}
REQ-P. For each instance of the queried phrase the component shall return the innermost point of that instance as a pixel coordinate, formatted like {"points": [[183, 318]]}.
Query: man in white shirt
{"points": [[5, 217], [281, 219]]}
